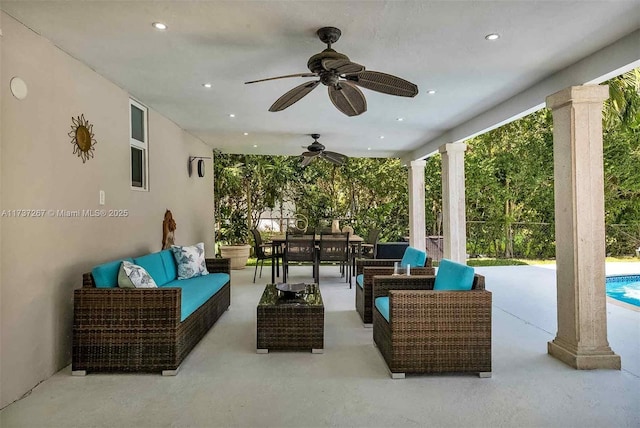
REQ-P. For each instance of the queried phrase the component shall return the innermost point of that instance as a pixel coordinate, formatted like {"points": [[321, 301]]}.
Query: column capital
{"points": [[452, 147], [578, 94], [421, 163]]}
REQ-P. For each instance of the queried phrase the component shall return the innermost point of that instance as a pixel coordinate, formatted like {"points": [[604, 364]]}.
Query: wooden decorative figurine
{"points": [[168, 230]]}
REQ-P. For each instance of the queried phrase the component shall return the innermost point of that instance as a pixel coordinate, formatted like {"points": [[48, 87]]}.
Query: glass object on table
{"points": [[398, 269]]}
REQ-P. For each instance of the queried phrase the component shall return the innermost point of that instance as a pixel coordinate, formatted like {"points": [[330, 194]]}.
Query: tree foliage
{"points": [[364, 193], [509, 186], [509, 179]]}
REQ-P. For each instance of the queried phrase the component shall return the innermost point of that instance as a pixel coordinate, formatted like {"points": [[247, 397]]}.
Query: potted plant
{"points": [[233, 237]]}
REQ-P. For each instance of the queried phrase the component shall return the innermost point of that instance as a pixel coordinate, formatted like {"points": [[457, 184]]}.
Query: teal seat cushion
{"points": [[360, 281], [106, 274], [197, 290], [170, 268], [414, 257], [453, 276], [382, 304], [154, 265]]}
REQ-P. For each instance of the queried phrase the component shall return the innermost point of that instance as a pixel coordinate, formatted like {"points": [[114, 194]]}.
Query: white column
{"points": [[454, 223], [581, 341], [417, 231]]}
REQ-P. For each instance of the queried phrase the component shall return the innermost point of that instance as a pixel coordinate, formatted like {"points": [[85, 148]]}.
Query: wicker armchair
{"points": [[368, 268], [433, 331]]}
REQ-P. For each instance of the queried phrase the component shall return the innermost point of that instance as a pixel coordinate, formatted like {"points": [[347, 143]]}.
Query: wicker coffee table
{"points": [[290, 323]]}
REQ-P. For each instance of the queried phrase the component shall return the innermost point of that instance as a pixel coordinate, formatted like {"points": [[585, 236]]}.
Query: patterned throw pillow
{"points": [[190, 260], [134, 276]]}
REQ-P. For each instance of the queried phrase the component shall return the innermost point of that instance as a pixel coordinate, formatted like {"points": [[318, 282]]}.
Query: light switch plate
{"points": [[102, 197]]}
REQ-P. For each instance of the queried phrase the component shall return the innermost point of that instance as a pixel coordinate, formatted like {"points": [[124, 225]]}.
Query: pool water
{"points": [[625, 288]]}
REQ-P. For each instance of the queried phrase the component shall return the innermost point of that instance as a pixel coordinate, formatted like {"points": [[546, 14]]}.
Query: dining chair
{"points": [[368, 248], [263, 252], [334, 247], [300, 248]]}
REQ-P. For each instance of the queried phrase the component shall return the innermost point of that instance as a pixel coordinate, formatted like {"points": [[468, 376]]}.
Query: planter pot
{"points": [[239, 254]]}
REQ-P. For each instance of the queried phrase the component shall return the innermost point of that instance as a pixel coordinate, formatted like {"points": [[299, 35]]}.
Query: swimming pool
{"points": [[625, 288]]}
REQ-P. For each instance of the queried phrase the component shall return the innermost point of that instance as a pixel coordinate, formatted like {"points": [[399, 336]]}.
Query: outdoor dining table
{"points": [[278, 240]]}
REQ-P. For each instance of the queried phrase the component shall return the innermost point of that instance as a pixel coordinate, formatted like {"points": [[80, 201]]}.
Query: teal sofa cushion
{"points": [[197, 290], [170, 269], [106, 274], [382, 304], [414, 257], [453, 276], [360, 281], [154, 265]]}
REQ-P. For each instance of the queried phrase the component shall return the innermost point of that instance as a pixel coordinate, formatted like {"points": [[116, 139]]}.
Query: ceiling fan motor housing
{"points": [[315, 62], [315, 146]]}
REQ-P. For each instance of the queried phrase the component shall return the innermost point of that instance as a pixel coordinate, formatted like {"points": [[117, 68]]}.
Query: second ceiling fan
{"points": [[342, 77], [316, 150]]}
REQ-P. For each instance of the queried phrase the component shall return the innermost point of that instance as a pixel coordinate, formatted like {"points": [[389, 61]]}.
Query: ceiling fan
{"points": [[342, 77], [316, 150]]}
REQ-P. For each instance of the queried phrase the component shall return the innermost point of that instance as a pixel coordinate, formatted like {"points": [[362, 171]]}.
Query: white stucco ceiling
{"points": [[437, 45]]}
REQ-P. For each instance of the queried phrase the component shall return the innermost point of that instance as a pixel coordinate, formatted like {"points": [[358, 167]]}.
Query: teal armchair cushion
{"points": [[382, 304], [453, 276], [154, 265], [360, 280], [106, 274], [197, 290], [414, 257]]}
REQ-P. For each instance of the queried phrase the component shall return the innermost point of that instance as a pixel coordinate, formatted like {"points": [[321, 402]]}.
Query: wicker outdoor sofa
{"points": [[433, 331], [140, 329], [371, 267]]}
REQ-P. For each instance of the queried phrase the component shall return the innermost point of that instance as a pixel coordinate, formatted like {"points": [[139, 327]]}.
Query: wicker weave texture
{"points": [[435, 331], [293, 327], [139, 330], [371, 268]]}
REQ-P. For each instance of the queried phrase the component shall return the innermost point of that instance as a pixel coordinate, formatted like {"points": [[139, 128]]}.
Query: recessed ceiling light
{"points": [[400, 119], [492, 36], [207, 85], [382, 137], [246, 133], [232, 115], [431, 91], [255, 145], [159, 26]]}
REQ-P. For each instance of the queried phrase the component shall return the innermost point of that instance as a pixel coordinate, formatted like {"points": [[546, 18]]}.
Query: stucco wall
{"points": [[43, 258]]}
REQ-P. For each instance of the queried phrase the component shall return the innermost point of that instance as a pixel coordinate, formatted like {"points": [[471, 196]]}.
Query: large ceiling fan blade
{"points": [[337, 158], [385, 83], [310, 154], [347, 98], [306, 160], [283, 77], [342, 66], [293, 96]]}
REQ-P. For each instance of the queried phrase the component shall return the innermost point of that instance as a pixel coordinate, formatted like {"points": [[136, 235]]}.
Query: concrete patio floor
{"points": [[224, 382]]}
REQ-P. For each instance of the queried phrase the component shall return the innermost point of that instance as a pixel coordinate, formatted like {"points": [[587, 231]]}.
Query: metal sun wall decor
{"points": [[82, 138]]}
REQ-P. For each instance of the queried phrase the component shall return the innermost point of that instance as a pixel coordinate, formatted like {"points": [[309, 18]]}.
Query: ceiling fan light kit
{"points": [[342, 78]]}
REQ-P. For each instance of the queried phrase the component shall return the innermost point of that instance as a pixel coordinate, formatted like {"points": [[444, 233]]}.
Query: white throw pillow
{"points": [[134, 276], [190, 260]]}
